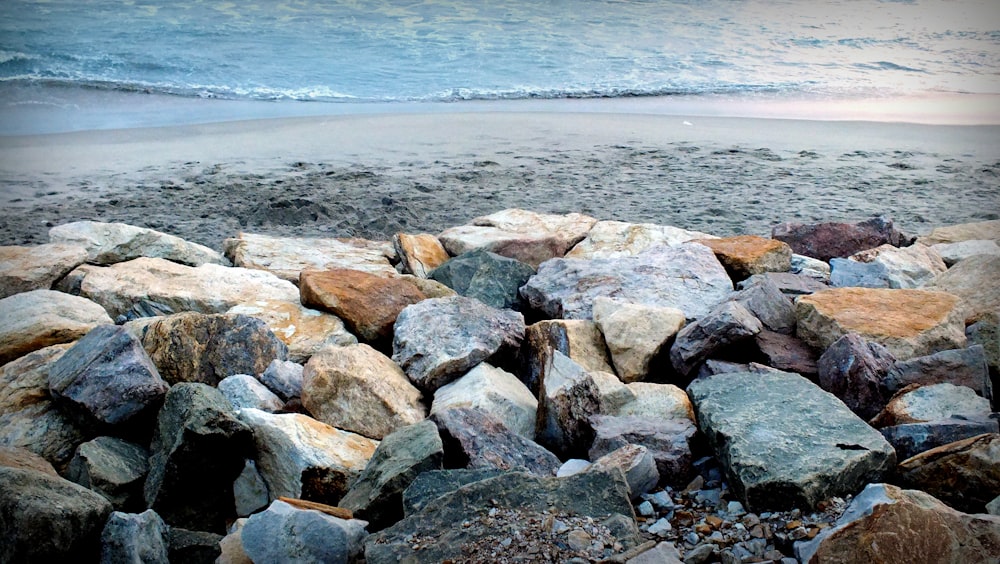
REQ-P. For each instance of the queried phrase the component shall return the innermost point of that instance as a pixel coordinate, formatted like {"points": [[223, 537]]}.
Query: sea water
{"points": [[84, 64]]}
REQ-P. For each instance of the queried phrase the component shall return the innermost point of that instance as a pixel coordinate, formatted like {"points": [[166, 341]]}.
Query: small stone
{"points": [[660, 528], [646, 509], [578, 540]]}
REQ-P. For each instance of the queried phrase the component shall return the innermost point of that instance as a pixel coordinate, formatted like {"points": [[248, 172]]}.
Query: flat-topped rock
{"points": [[952, 253], [286, 257], [636, 335], [419, 254], [40, 318], [974, 280], [614, 239], [905, 267], [962, 367], [304, 330], [907, 322], [110, 243], [668, 441], [963, 232], [23, 269], [930, 403], [746, 255], [494, 391], [911, 439], [649, 399], [825, 241]]}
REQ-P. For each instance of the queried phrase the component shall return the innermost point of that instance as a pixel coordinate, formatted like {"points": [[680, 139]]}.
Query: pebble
{"points": [[660, 528], [646, 509]]}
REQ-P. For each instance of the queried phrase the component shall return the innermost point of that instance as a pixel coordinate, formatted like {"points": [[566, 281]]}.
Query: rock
{"points": [[529, 237], [572, 466], [930, 403], [687, 277], [846, 273], [19, 457], [106, 379], [286, 257], [377, 494], [854, 370], [825, 241], [495, 392], [908, 323], [668, 441], [815, 450], [963, 232], [368, 304], [764, 299], [439, 339], [114, 468], [636, 335], [888, 524], [45, 518], [649, 399], [475, 439], [662, 553], [39, 318], [911, 439], [578, 339], [419, 254], [787, 353], [993, 507], [110, 243], [142, 309], [567, 397], [952, 253], [974, 280], [725, 325], [194, 347], [636, 463], [286, 534], [810, 268], [242, 391], [250, 491], [616, 239], [905, 267], [746, 255], [986, 332], [134, 537], [962, 367], [23, 269], [284, 378], [197, 451], [300, 457], [358, 389], [789, 284], [302, 329], [432, 484], [195, 547], [485, 276], [232, 546]]}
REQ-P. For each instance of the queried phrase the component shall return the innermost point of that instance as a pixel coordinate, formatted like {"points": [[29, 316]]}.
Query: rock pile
{"points": [[525, 388]]}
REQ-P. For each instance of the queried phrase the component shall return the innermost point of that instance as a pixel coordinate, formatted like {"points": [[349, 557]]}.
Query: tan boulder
{"points": [[746, 255], [304, 330], [660, 401], [635, 334], [23, 269], [905, 267], [976, 280], [419, 254], [907, 322], [963, 232], [494, 391], [613, 239], [286, 257], [936, 402], [953, 253], [110, 243], [39, 318], [578, 339]]}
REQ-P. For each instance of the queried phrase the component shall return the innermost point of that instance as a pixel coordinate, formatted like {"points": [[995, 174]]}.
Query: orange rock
{"points": [[419, 254], [713, 521], [338, 512], [746, 255]]}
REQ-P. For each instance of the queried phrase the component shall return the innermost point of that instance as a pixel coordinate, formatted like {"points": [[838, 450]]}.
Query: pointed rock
{"points": [[485, 276], [37, 319], [668, 441], [495, 392], [475, 439], [725, 325], [974, 280], [636, 463], [905, 267], [930, 403], [615, 239], [250, 491], [636, 335], [567, 397], [135, 537], [284, 533], [578, 339], [23, 269], [110, 243], [419, 254], [286, 257], [303, 330], [114, 468], [764, 299], [963, 232], [824, 241], [854, 370], [746, 255]]}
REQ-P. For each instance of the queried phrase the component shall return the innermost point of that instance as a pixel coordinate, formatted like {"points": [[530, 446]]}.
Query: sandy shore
{"points": [[374, 175]]}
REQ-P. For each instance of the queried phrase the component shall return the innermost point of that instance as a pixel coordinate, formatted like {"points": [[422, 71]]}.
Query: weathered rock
{"points": [[636, 335], [962, 367], [23, 269], [615, 239], [134, 537], [45, 518], [20, 457], [667, 440], [789, 284], [854, 370], [687, 277], [437, 340], [485, 276], [963, 232], [114, 468], [106, 379], [284, 378], [300, 457], [242, 390], [358, 389], [817, 448], [475, 439], [746, 255], [194, 547], [286, 534], [368, 304], [231, 546], [573, 466], [905, 267], [974, 280], [911, 439], [495, 392], [578, 339], [529, 237], [567, 397], [286, 257], [303, 330], [197, 451], [787, 353], [110, 243], [888, 524], [764, 299], [725, 325], [986, 332], [810, 268], [250, 491], [419, 254], [650, 399], [845, 273], [952, 253], [194, 347], [662, 553], [824, 241], [636, 463], [377, 494], [930, 403], [908, 323], [993, 507], [432, 484], [39, 318]]}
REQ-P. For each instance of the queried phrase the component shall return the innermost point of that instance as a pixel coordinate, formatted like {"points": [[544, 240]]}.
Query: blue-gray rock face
{"points": [[134, 537], [962, 367], [784, 442], [911, 439], [485, 276], [475, 439], [284, 378], [727, 324], [764, 299], [113, 468], [846, 273], [284, 533]]}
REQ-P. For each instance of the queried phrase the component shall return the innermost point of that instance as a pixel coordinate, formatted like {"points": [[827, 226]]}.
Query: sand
{"points": [[375, 175]]}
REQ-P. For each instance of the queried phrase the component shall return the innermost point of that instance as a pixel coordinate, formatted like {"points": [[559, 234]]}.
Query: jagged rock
{"points": [[636, 463], [963, 232], [669, 442], [19, 457], [986, 332], [845, 273], [810, 268], [40, 318], [635, 334], [974, 280], [815, 449], [915, 404], [905, 267], [284, 378], [110, 243], [368, 304], [962, 367], [439, 339], [23, 269], [529, 237], [615, 239], [303, 330], [888, 524], [578, 339], [141, 309], [134, 537], [377, 494], [358, 389], [475, 439], [197, 451], [114, 468], [765, 300], [432, 484], [854, 370], [911, 439], [485, 276], [250, 490], [495, 392], [908, 323], [242, 390], [194, 347], [746, 255], [787, 353], [286, 534], [725, 325], [300, 457], [286, 257], [649, 399], [825, 241], [194, 547], [567, 397], [419, 254], [687, 277], [952, 253]]}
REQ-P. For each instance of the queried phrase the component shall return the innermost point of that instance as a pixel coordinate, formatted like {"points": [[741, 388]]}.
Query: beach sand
{"points": [[375, 175]]}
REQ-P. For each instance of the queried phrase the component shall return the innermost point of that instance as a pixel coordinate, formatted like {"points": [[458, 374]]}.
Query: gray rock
{"points": [[40, 318], [284, 378], [765, 300], [250, 490], [568, 397], [572, 466], [986, 332], [134, 537], [810, 268], [789, 284], [727, 324], [432, 484], [110, 243], [23, 269], [194, 547], [787, 353], [438, 340], [911, 439], [493, 391], [668, 441], [962, 367], [930, 403], [993, 507], [846, 273], [485, 276], [854, 370], [811, 449], [953, 253], [905, 267], [242, 391], [636, 463], [701, 554], [662, 553], [636, 335], [475, 439], [113, 468], [286, 534], [578, 339]]}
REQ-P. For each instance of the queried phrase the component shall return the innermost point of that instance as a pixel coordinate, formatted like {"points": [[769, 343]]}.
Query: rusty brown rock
{"points": [[964, 474], [825, 241], [788, 353], [746, 255], [23, 269], [419, 254]]}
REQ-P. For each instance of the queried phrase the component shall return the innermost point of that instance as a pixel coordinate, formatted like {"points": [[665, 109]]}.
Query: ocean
{"points": [[97, 64]]}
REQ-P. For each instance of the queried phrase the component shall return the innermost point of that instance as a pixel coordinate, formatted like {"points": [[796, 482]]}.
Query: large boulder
{"points": [[964, 474], [114, 468], [485, 276], [636, 335], [766, 300], [746, 255], [812, 447], [615, 239], [419, 254], [962, 367], [284, 533], [578, 339], [963, 232], [668, 441], [854, 370], [286, 257], [432, 484], [39, 318], [23, 269], [905, 267], [475, 439], [135, 537], [303, 330], [567, 398], [110, 243], [727, 324], [494, 391], [845, 273], [825, 241], [974, 280], [915, 404]]}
